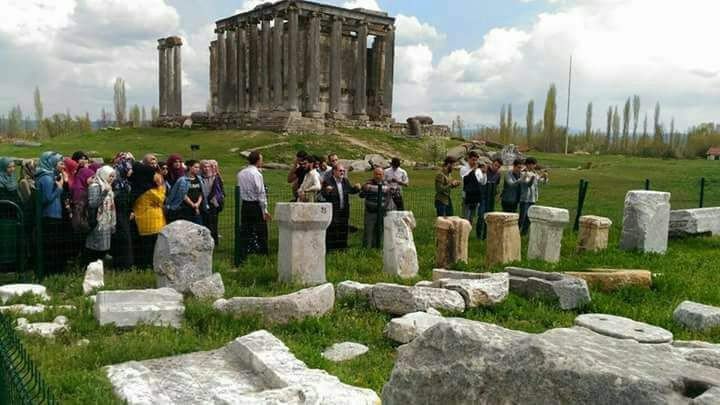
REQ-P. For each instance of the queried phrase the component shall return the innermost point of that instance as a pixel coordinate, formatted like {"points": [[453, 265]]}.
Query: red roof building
{"points": [[713, 153]]}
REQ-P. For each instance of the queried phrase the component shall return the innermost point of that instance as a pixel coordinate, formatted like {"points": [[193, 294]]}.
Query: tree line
{"points": [[623, 133], [15, 124]]}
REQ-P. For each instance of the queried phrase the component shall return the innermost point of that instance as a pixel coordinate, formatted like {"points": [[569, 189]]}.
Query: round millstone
{"points": [[623, 328], [344, 351]]}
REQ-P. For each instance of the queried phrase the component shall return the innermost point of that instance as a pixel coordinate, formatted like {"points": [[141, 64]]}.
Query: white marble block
{"points": [[127, 308], [399, 252], [546, 232], [301, 255], [646, 221], [696, 221]]}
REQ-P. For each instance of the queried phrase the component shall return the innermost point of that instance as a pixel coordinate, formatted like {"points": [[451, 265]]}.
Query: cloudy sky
{"points": [[454, 57]]}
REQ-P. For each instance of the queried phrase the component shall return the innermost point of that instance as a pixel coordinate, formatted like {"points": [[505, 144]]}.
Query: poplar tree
{"points": [[658, 127], [549, 118], [609, 127], [626, 126], [588, 122], [529, 121], [636, 117], [120, 101], [616, 128]]}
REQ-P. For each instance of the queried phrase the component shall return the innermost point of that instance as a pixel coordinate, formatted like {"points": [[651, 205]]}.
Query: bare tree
{"points": [[658, 126], [529, 121], [588, 122], [626, 126], [636, 117], [616, 128], [143, 117], [609, 127]]}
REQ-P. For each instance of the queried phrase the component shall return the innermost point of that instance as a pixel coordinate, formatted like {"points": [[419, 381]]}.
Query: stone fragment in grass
{"points": [[400, 300], [481, 363], [44, 329], [310, 302], [94, 277], [623, 328], [546, 231], [438, 274], [9, 291], [183, 255], [481, 292], [569, 292], [344, 351], [609, 280], [301, 252], [593, 234], [695, 316], [352, 289], [451, 240], [503, 238], [399, 252], [22, 309], [704, 353], [127, 308], [211, 287], [697, 221], [646, 221], [425, 283], [253, 369], [409, 326]]}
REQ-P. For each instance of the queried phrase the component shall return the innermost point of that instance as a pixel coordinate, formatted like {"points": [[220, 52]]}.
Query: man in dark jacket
{"points": [[374, 208], [336, 190]]}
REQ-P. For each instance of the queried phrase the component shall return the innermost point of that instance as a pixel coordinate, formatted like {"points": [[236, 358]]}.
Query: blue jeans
{"points": [[480, 209], [444, 210]]}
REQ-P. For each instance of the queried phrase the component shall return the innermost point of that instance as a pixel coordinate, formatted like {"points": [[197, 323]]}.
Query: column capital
{"points": [[314, 14], [335, 18]]}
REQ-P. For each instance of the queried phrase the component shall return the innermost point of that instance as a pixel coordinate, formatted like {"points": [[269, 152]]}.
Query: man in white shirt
{"points": [[311, 185], [397, 175], [254, 215], [474, 181]]}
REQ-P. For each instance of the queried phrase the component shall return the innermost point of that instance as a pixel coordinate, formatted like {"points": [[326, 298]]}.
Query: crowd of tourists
{"points": [[320, 179], [89, 211]]}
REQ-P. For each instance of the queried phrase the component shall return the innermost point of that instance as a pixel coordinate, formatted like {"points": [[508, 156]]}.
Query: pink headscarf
{"points": [[71, 167], [80, 186]]}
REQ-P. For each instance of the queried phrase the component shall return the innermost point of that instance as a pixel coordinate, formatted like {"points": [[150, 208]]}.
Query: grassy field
{"points": [[687, 271]]}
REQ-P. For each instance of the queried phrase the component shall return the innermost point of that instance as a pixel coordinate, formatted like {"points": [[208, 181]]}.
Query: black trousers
{"points": [[146, 251], [336, 237], [253, 230], [57, 248], [210, 220]]}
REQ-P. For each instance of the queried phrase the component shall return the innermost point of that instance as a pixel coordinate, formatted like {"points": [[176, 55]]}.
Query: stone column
{"points": [[546, 231], [221, 70], [162, 76], [594, 233], [231, 70], [301, 253], [213, 77], [265, 62], [312, 79], [277, 51], [375, 78], [177, 68], [253, 67], [503, 238], [389, 72], [646, 221], [293, 38], [170, 64], [399, 252], [336, 68], [360, 99], [241, 39], [451, 241]]}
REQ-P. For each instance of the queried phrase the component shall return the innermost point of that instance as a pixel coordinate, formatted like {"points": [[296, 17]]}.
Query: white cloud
{"points": [[251, 4], [660, 50], [366, 4], [410, 31]]}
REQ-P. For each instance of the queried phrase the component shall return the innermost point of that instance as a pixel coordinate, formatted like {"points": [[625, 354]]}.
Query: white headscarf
{"points": [[106, 210]]}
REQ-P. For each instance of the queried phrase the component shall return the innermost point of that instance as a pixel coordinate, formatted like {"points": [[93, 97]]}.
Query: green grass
{"points": [[687, 271]]}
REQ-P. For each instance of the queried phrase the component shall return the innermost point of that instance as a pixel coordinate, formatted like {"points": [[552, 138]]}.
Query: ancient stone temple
{"points": [[170, 76], [297, 59]]}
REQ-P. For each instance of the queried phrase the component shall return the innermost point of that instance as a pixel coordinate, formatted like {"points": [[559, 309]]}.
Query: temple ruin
{"points": [[292, 65]]}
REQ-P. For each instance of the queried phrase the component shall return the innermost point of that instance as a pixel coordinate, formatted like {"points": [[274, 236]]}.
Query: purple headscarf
{"points": [[80, 186]]}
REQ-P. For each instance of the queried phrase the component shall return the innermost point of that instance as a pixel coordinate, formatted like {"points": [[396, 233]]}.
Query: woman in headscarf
{"points": [[213, 195], [27, 181], [81, 158], [50, 181], [176, 169], [8, 188], [122, 239], [102, 218], [79, 197]]}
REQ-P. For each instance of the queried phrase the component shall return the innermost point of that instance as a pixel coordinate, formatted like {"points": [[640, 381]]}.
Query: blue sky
{"points": [[456, 57]]}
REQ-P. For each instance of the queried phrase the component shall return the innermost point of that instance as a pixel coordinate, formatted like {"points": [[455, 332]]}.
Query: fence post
{"points": [[39, 245], [647, 184], [702, 192], [380, 217], [582, 192], [236, 246]]}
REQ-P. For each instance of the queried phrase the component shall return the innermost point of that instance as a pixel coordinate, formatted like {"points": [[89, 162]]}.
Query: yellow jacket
{"points": [[149, 214]]}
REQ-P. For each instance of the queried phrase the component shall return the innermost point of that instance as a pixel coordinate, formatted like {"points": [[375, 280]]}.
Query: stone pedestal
{"points": [[301, 254], [546, 231], [451, 241], [503, 238], [646, 221], [594, 233], [399, 252]]}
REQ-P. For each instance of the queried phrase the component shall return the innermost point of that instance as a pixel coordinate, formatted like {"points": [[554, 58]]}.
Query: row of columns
{"points": [[170, 75], [245, 55]]}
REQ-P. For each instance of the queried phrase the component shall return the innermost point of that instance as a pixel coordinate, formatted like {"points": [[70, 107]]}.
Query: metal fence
{"points": [[20, 381]]}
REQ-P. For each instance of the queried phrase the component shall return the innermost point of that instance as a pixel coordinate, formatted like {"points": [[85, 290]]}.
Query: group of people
{"points": [[480, 182], [92, 211]]}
